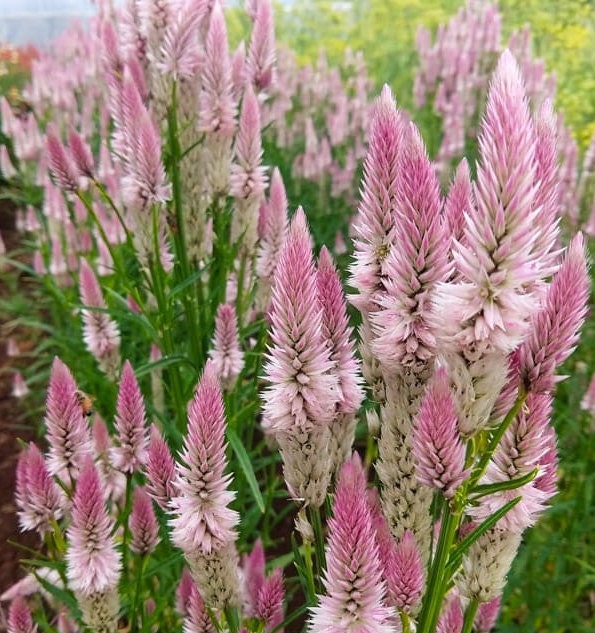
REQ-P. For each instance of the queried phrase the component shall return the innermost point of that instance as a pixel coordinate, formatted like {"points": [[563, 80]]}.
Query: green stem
{"points": [[232, 618], [405, 622], [125, 526], [309, 573], [316, 522], [436, 587], [107, 198], [470, 614], [139, 579]]}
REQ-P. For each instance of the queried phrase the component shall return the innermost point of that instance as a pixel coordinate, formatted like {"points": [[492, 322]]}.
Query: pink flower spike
{"points": [[92, 561], [405, 574], [130, 424], [373, 226], [302, 392], [437, 446], [100, 333], [451, 618], [486, 617], [66, 427], [260, 61], [143, 523], [217, 103], [196, 618], [60, 162], [183, 592], [254, 577], [555, 327], [226, 353], [248, 177], [160, 470], [459, 201], [19, 618], [338, 334], [180, 54], [354, 598], [38, 498], [270, 601], [202, 521], [81, 154]]}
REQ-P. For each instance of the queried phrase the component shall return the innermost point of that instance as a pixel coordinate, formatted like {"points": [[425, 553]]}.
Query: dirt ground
{"points": [[13, 425]]}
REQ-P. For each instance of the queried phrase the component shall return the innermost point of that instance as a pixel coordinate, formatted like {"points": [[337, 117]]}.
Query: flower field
{"points": [[301, 326]]}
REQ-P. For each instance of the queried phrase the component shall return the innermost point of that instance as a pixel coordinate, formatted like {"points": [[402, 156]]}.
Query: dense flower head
{"points": [[253, 577], [336, 331], [143, 523], [451, 617], [302, 392], [160, 469], [38, 498], [196, 617], [92, 561], [555, 327], [404, 331], [202, 519], [226, 353], [354, 599], [489, 306], [269, 605], [130, 423], [179, 53], [260, 60], [81, 154], [19, 617], [66, 426], [60, 162], [459, 202], [373, 226], [487, 615], [437, 446]]}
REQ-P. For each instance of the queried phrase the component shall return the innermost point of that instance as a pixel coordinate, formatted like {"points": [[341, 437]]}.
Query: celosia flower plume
{"points": [[226, 353], [160, 469], [143, 523]]}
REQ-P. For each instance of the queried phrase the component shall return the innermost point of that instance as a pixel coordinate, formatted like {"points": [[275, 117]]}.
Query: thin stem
{"points": [[405, 622], [316, 522], [470, 614], [232, 618], [125, 526], [139, 578]]}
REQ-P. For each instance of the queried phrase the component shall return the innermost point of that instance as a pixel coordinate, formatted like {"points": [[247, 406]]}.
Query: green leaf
{"points": [[457, 553], [511, 484], [246, 465]]}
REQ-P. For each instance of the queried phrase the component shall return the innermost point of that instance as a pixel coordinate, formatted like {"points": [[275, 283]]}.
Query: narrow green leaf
{"points": [[246, 465], [511, 484]]}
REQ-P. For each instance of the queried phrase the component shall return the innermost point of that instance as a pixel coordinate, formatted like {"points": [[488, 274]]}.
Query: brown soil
{"points": [[13, 425]]}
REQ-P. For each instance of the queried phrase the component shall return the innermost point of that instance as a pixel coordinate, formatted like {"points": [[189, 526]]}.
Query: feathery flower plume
{"points": [[301, 400], [179, 54], [253, 576], [217, 103], [66, 427], [60, 162], [38, 498], [260, 60], [160, 470], [100, 333], [19, 618], [487, 615], [555, 327], [92, 561], [355, 592], [183, 592], [373, 226], [143, 523], [113, 481], [81, 154], [226, 354], [203, 526], [459, 201], [437, 446], [196, 618], [404, 334], [451, 617], [489, 306], [269, 606], [130, 422]]}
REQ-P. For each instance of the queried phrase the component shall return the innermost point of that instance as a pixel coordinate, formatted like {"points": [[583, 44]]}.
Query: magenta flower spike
{"points": [[196, 619], [405, 577], [451, 618], [19, 618], [130, 423], [143, 523], [403, 326], [302, 391], [179, 54], [529, 443], [92, 561], [459, 202], [254, 577], [338, 334], [160, 470], [202, 519], [217, 107], [373, 226], [269, 606], [60, 162], [38, 498], [184, 591], [355, 592], [81, 154], [100, 333], [437, 446], [226, 353], [248, 178], [555, 327], [488, 309], [260, 60], [66, 426], [486, 617]]}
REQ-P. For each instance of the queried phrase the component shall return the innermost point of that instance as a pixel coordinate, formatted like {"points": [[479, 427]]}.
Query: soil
{"points": [[13, 425]]}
